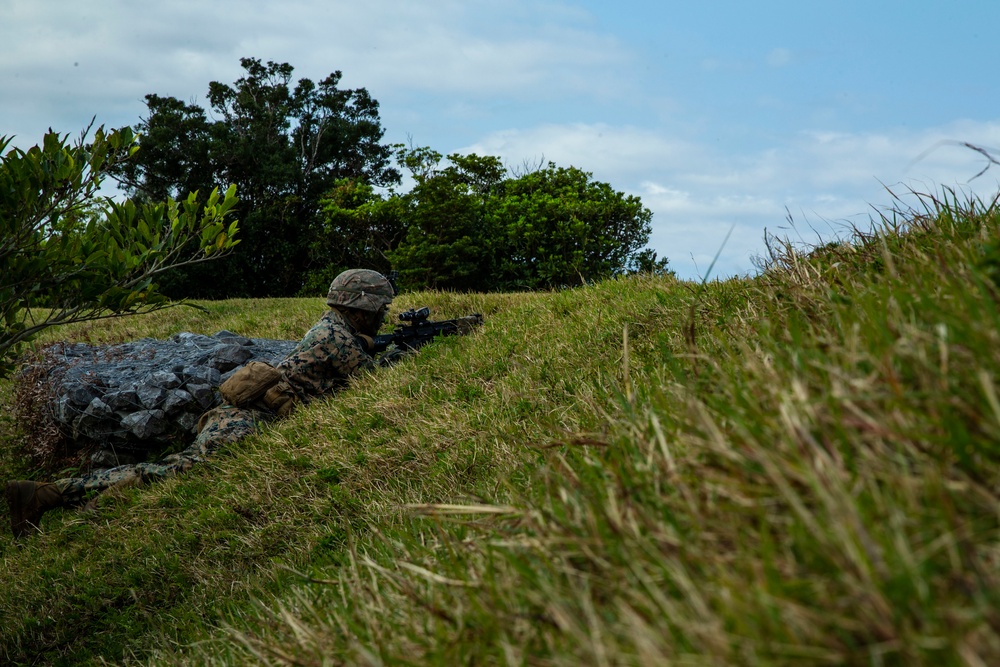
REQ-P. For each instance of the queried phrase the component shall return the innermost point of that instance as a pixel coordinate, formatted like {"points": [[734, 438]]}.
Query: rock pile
{"points": [[134, 398]]}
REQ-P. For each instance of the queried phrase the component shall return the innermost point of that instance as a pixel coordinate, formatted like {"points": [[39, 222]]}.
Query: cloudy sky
{"points": [[725, 116]]}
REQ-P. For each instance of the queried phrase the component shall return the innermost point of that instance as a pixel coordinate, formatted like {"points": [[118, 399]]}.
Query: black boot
{"points": [[28, 501]]}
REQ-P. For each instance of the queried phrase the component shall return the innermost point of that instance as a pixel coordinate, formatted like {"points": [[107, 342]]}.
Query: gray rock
{"points": [[203, 395], [193, 340], [229, 357], [151, 396], [125, 400], [178, 401], [63, 410], [201, 375], [235, 340], [99, 409], [187, 421], [165, 379], [146, 424], [79, 394], [96, 419]]}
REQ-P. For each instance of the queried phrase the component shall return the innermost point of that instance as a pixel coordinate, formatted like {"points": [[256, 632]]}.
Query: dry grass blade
{"points": [[435, 578], [444, 509]]}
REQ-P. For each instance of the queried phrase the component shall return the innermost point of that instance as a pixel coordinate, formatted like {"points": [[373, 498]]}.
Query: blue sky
{"points": [[722, 116]]}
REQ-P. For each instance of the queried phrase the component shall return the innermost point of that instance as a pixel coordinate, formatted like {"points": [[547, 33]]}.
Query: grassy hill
{"points": [[799, 468]]}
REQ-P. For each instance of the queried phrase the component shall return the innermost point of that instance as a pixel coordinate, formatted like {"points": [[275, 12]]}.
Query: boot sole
{"points": [[20, 525], [11, 494]]}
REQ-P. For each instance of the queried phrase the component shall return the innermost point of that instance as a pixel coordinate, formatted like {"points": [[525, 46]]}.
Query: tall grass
{"points": [[799, 468]]}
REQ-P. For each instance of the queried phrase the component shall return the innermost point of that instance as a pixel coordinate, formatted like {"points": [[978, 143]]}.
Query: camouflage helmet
{"points": [[363, 289]]}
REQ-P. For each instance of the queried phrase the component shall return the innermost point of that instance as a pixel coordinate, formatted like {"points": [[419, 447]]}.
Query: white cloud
{"points": [[65, 62], [825, 181], [600, 148]]}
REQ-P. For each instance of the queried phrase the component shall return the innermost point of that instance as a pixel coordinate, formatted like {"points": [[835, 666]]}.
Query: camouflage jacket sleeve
{"points": [[324, 359]]}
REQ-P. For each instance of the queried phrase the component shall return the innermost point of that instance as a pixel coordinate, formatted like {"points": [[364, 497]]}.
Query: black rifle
{"points": [[417, 330]]}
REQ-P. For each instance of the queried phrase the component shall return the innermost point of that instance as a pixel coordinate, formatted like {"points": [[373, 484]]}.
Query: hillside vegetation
{"points": [[796, 468]]}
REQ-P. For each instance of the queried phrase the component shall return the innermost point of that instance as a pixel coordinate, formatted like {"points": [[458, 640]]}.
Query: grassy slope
{"points": [[797, 468]]}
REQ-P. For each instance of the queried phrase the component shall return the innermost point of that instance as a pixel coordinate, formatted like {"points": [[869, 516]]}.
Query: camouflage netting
{"points": [[128, 402]]}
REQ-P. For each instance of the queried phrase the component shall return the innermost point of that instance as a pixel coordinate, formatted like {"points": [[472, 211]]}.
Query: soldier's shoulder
{"points": [[334, 320]]}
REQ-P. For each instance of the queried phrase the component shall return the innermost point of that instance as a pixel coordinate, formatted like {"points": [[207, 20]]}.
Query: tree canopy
{"points": [[68, 254], [283, 146], [315, 186], [471, 225], [451, 241], [558, 226]]}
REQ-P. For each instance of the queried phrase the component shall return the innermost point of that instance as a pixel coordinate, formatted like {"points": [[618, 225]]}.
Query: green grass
{"points": [[798, 468]]}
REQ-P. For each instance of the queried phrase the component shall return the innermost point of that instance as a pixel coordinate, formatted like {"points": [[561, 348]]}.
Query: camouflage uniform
{"points": [[322, 362], [326, 356]]}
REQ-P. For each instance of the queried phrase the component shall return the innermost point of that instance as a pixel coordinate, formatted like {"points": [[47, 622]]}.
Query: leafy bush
{"points": [[68, 254], [557, 227], [468, 227]]}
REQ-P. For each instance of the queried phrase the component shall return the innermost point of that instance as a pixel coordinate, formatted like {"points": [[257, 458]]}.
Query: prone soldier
{"points": [[333, 350]]}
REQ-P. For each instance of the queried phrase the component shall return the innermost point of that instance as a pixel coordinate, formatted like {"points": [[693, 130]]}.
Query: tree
{"points": [[284, 148], [471, 227], [448, 243], [358, 228], [560, 228], [645, 261], [176, 156], [68, 254]]}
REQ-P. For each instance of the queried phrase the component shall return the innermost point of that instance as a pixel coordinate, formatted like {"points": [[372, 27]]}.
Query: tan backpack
{"points": [[250, 383]]}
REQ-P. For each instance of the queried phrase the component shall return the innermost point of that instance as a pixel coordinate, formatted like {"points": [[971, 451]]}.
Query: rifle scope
{"points": [[415, 316]]}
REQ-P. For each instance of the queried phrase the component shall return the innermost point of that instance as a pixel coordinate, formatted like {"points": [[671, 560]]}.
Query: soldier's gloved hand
{"points": [[366, 342]]}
